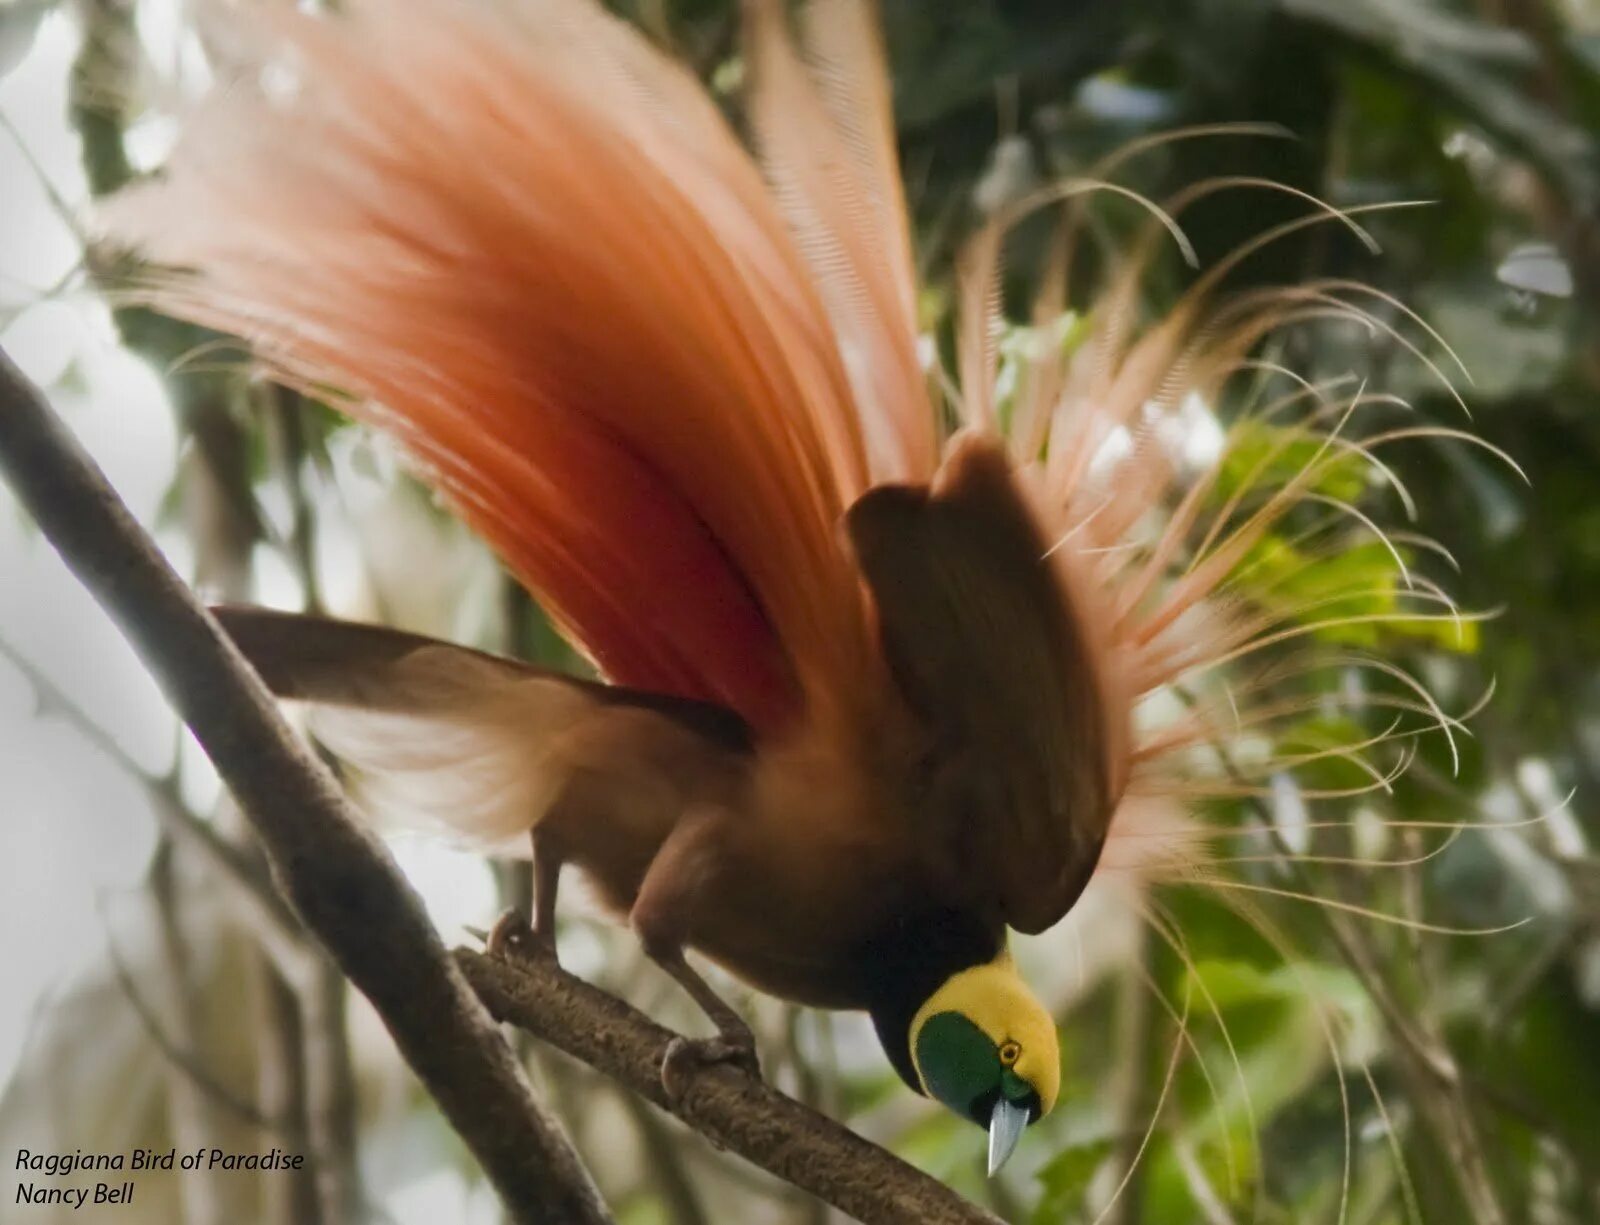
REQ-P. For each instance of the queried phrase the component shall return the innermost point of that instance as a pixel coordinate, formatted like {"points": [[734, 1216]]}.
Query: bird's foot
{"points": [[687, 1056], [514, 939]]}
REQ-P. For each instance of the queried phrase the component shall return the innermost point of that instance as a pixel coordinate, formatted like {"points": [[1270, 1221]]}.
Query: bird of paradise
{"points": [[893, 661]]}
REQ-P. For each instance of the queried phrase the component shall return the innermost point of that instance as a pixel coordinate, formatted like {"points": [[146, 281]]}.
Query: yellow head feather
{"points": [[995, 998]]}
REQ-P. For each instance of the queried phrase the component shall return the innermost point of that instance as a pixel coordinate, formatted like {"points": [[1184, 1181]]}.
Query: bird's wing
{"points": [[438, 736], [983, 642], [526, 244]]}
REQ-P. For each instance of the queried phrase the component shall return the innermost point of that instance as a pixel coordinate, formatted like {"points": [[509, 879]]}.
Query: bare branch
{"points": [[338, 876], [743, 1114]]}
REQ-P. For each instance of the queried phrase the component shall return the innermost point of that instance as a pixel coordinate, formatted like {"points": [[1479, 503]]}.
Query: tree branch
{"points": [[731, 1109], [338, 875]]}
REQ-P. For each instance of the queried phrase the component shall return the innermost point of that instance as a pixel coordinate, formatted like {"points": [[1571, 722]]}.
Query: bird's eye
{"points": [[1010, 1052]]}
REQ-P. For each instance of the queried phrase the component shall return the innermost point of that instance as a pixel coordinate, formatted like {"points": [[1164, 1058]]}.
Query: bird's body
{"points": [[814, 834], [872, 682]]}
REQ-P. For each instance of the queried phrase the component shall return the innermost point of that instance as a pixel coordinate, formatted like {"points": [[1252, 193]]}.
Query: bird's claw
{"points": [[513, 939], [687, 1056]]}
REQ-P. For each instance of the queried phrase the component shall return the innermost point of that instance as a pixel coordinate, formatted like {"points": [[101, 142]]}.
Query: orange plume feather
{"points": [[582, 316]]}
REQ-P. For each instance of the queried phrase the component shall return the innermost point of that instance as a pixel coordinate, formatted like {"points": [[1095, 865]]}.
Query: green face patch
{"points": [[960, 1065], [962, 1068]]}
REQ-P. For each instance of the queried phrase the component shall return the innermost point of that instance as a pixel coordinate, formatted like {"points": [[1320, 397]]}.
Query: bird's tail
{"points": [[1226, 528], [1228, 562], [527, 245]]}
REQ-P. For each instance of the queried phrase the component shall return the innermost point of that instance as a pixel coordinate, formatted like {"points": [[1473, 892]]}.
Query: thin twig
{"points": [[1138, 1075], [64, 211], [327, 1070], [286, 413], [330, 1094], [190, 1117]]}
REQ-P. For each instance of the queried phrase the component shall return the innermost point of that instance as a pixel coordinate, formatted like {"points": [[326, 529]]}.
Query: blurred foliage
{"points": [[1274, 1045]]}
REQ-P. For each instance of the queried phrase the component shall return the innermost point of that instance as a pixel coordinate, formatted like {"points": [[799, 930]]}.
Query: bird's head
{"points": [[986, 1047]]}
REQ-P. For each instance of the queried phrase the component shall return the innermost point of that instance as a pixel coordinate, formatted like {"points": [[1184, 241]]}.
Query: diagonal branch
{"points": [[338, 875], [731, 1109]]}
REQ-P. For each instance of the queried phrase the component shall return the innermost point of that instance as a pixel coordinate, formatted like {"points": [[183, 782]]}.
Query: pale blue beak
{"points": [[1005, 1129]]}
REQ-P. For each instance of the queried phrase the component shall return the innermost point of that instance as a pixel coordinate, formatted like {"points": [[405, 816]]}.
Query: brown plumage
{"points": [[710, 837]]}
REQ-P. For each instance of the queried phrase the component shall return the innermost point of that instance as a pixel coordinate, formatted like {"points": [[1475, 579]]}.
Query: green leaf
{"points": [[1263, 457], [1065, 1177]]}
